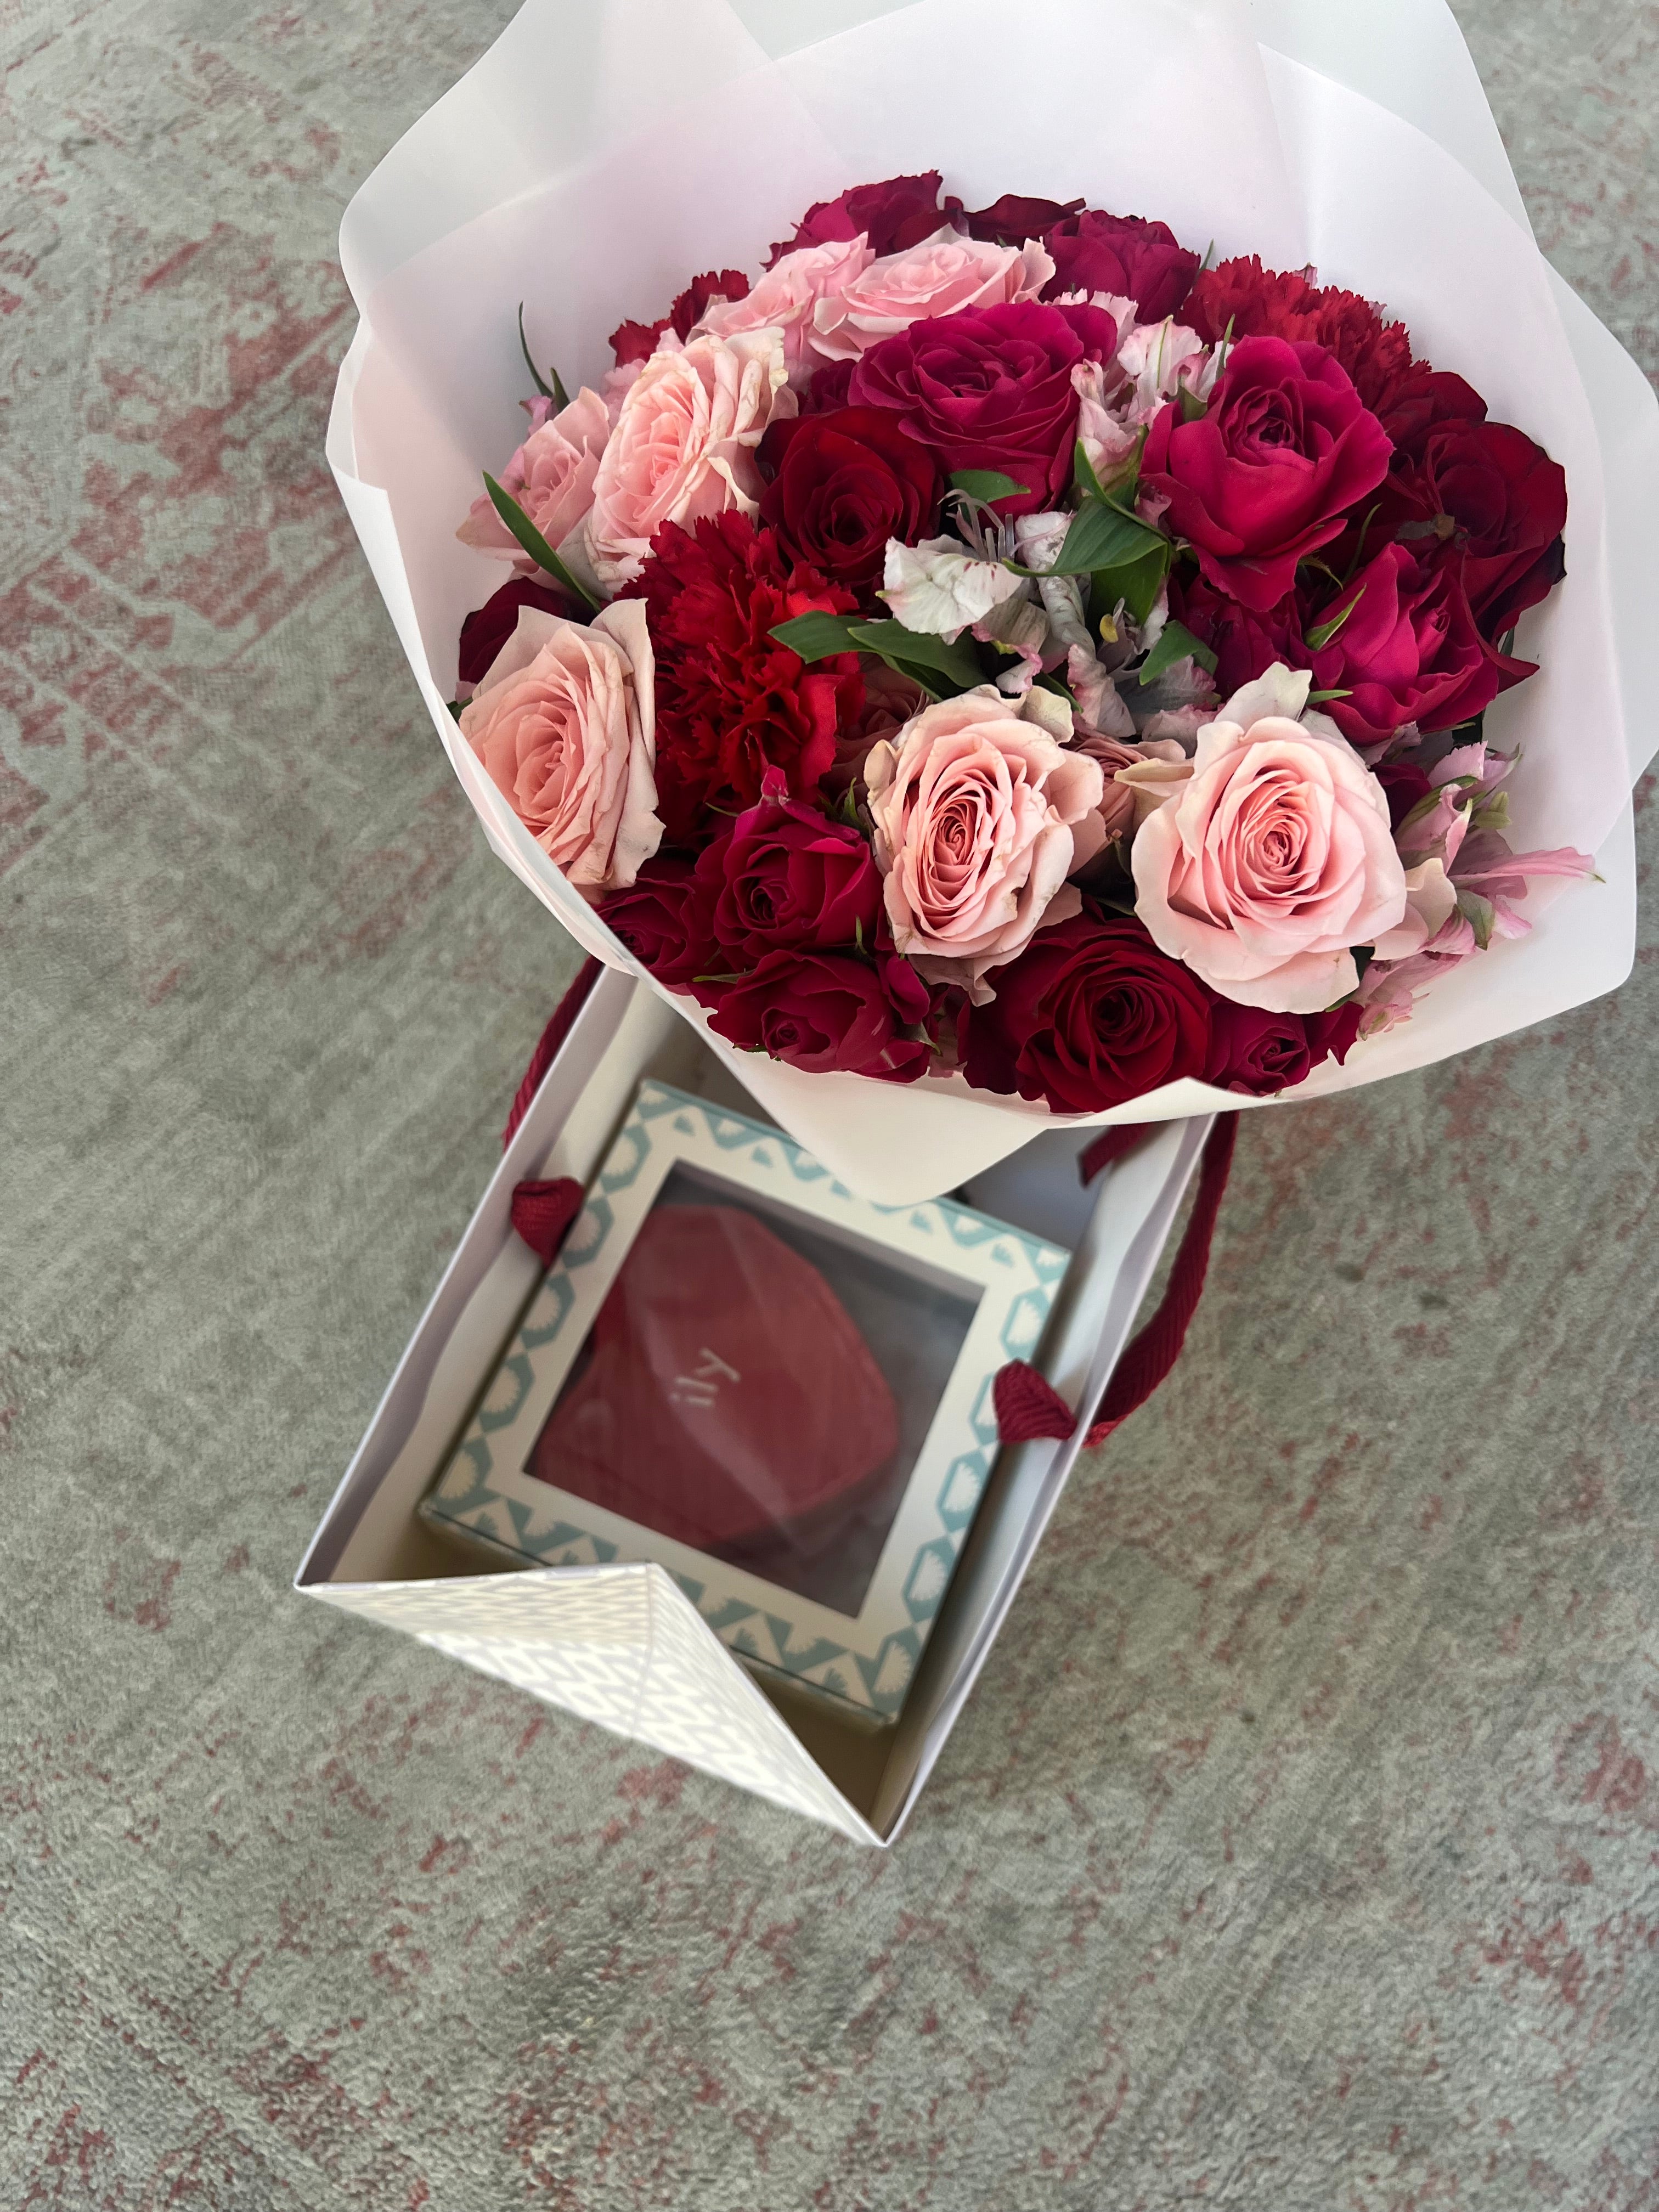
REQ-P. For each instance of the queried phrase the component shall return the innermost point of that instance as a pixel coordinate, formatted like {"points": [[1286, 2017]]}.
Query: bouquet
{"points": [[1007, 647]]}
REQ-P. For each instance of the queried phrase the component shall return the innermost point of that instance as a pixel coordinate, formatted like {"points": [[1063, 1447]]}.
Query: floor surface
{"points": [[1300, 1849]]}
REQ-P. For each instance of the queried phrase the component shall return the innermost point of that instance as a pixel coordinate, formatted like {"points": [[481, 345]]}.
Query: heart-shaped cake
{"points": [[728, 1397]]}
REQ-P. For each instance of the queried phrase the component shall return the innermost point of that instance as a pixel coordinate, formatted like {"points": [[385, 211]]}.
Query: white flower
{"points": [[937, 590]]}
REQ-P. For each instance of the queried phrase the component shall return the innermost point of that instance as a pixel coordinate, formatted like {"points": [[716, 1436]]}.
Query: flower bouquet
{"points": [[1029, 654]]}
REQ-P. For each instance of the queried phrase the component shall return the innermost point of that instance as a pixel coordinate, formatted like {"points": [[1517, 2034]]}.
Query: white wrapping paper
{"points": [[597, 154]]}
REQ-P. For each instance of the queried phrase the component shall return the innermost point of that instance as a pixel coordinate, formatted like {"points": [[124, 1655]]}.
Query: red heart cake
{"points": [[727, 1396]]}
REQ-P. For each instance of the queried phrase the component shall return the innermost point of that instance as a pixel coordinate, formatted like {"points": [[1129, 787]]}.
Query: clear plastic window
{"points": [[758, 1386]]}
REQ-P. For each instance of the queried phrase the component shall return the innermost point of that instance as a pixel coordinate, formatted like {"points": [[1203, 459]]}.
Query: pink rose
{"points": [[1274, 858], [683, 446], [1121, 804], [980, 816], [940, 277], [551, 476], [564, 725], [784, 297]]}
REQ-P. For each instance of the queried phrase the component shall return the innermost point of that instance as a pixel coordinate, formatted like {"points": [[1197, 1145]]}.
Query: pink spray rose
{"points": [[551, 476], [1274, 858], [784, 299], [980, 816], [1266, 474], [944, 275], [564, 725], [683, 446]]}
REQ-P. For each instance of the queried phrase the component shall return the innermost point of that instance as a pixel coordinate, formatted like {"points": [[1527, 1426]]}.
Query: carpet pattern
{"points": [[1300, 1848]]}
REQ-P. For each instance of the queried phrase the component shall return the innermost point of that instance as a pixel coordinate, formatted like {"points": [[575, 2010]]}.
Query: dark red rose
{"points": [[664, 920], [639, 341], [488, 628], [842, 484], [1508, 501], [1403, 784], [1011, 220], [900, 212], [1245, 644], [783, 877], [1409, 652], [1260, 1054], [1265, 476], [1262, 302], [828, 388], [1145, 262], [1091, 1014], [991, 388], [1422, 405], [731, 701], [820, 1010]]}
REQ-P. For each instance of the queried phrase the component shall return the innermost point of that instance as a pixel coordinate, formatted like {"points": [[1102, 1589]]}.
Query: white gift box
{"points": [[622, 1644], [584, 166]]}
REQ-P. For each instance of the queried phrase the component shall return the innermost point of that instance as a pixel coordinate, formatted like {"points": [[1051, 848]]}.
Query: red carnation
{"points": [[1262, 302], [731, 702]]}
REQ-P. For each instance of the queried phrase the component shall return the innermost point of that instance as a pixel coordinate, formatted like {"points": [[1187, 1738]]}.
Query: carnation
{"points": [[731, 702], [1258, 302]]}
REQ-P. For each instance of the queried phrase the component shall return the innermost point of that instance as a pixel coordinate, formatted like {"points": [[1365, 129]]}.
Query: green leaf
{"points": [[987, 484], [1104, 536], [1192, 409], [956, 660], [1318, 698], [1175, 643], [1320, 637], [815, 637], [455, 708], [1083, 474], [556, 391], [924, 660], [533, 543], [1479, 913], [1136, 583]]}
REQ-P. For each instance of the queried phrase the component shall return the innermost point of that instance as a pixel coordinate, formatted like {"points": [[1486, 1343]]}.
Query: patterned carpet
{"points": [[1298, 1850]]}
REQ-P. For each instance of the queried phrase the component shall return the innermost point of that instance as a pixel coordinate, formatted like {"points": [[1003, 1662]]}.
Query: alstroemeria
{"points": [[937, 590], [1117, 399]]}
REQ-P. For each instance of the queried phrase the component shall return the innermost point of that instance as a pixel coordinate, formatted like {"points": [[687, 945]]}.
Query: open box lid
{"points": [[621, 1644]]}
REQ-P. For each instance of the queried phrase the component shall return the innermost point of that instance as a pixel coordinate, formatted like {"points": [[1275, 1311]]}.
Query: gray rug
{"points": [[1298, 1851]]}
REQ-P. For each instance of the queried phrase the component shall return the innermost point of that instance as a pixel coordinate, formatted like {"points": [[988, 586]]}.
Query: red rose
{"points": [[783, 877], [1011, 220], [1420, 406], [1409, 652], [731, 701], [820, 1010], [1245, 644], [1266, 475], [1095, 252], [488, 628], [639, 341], [842, 484], [1507, 500], [663, 921], [828, 391], [1260, 1054], [991, 388], [1262, 302], [900, 212], [1091, 1014]]}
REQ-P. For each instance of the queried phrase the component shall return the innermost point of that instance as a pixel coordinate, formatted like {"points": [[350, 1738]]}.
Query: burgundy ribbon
{"points": [[543, 1211], [1028, 1405]]}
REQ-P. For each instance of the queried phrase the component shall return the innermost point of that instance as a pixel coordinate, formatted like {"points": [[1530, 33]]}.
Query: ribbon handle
{"points": [[1027, 1404]]}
